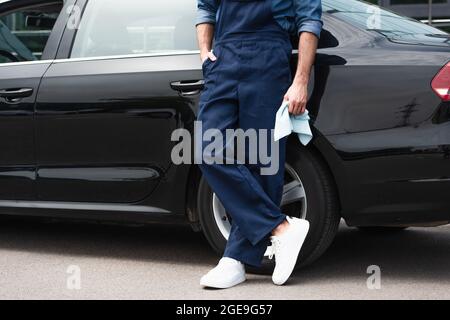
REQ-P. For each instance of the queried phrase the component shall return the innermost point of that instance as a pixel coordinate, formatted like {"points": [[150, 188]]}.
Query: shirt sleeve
{"points": [[308, 16], [206, 11]]}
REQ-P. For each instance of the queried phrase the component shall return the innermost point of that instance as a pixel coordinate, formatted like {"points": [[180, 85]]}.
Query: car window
{"points": [[24, 33], [385, 22], [117, 27]]}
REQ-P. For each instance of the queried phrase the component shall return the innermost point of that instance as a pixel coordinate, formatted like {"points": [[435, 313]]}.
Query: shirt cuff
{"points": [[312, 26], [205, 16]]}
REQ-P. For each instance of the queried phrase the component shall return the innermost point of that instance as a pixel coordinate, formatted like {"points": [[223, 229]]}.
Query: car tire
{"points": [[322, 210]]}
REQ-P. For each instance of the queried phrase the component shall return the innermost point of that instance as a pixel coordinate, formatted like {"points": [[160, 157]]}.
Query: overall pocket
{"points": [[205, 65]]}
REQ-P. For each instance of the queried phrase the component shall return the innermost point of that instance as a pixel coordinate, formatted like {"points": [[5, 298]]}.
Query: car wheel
{"points": [[309, 193]]}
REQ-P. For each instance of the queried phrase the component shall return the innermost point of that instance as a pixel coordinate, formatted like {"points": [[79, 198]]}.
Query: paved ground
{"points": [[165, 262]]}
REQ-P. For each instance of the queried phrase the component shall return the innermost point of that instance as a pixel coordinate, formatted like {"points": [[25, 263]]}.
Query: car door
{"points": [[107, 106], [25, 31]]}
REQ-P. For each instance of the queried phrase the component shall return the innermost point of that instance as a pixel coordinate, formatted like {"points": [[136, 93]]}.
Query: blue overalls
{"points": [[243, 89]]}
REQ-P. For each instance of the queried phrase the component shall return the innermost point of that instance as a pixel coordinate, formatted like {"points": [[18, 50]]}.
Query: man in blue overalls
{"points": [[247, 77]]}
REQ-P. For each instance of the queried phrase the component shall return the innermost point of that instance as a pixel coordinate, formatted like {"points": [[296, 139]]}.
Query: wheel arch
{"points": [[323, 150], [192, 184]]}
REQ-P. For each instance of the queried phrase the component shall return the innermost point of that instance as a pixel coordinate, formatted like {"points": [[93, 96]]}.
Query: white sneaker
{"points": [[286, 249], [228, 273]]}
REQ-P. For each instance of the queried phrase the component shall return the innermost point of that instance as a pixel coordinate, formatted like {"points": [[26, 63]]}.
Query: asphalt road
{"points": [[39, 259]]}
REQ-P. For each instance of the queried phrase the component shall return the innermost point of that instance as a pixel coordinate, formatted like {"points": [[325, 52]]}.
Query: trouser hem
{"points": [[268, 230], [247, 262]]}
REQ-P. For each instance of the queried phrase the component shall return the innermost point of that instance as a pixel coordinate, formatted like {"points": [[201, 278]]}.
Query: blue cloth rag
{"points": [[286, 123]]}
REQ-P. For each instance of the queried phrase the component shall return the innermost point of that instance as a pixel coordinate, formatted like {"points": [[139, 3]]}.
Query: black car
{"points": [[91, 91]]}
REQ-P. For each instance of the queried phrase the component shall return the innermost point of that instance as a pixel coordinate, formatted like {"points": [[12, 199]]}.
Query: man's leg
{"points": [[251, 209], [260, 95], [238, 247]]}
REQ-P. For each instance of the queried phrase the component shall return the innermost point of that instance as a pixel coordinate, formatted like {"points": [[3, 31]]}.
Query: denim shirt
{"points": [[292, 15]]}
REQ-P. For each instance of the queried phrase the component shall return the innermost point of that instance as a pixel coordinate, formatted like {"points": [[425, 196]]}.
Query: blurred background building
{"points": [[437, 10]]}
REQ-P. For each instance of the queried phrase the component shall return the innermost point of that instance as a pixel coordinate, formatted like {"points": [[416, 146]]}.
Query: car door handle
{"points": [[188, 87], [12, 94]]}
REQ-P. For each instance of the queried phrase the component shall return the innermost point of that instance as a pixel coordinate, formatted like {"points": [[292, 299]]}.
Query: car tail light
{"points": [[441, 83]]}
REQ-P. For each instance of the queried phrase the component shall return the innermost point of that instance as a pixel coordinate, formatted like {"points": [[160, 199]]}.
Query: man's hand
{"points": [[297, 96], [207, 55]]}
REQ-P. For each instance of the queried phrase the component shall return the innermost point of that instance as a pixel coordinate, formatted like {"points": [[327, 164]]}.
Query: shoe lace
{"points": [[276, 243]]}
